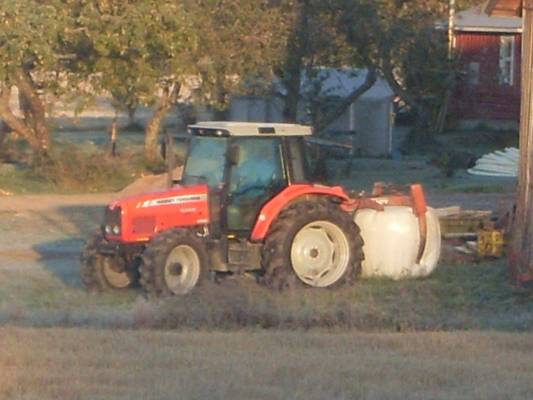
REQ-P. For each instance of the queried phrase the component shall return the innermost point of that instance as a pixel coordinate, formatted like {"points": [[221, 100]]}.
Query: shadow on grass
{"points": [[73, 226]]}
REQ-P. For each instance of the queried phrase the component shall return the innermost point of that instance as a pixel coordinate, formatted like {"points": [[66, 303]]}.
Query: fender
{"points": [[270, 210]]}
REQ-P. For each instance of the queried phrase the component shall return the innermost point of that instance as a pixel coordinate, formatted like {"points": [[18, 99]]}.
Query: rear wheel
{"points": [[174, 263], [99, 272], [312, 242]]}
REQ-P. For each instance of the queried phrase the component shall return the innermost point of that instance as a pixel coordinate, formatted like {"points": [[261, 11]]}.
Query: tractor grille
{"points": [[144, 225], [112, 221]]}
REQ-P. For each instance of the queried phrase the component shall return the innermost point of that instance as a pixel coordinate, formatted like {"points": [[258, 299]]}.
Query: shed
{"points": [[370, 117], [488, 49]]}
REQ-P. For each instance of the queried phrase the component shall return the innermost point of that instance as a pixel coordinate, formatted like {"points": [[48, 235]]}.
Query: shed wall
{"points": [[488, 99]]}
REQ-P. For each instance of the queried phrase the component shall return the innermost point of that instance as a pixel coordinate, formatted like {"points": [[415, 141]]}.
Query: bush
{"points": [[69, 168]]}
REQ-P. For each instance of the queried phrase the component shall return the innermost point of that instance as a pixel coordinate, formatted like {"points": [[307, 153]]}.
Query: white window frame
{"points": [[506, 77]]}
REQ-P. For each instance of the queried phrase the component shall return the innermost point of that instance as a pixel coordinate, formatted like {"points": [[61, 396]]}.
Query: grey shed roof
{"points": [[476, 19], [341, 82]]}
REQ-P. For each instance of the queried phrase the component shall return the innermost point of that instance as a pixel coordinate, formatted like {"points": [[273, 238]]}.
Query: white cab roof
{"points": [[254, 128]]}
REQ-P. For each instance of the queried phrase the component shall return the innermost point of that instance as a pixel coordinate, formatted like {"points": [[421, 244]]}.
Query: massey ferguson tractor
{"points": [[246, 202]]}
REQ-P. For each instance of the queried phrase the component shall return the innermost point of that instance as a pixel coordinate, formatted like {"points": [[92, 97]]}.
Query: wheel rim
{"points": [[119, 280], [320, 253], [182, 269]]}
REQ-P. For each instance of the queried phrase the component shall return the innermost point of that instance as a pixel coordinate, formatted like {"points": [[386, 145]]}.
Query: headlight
{"points": [[112, 221]]}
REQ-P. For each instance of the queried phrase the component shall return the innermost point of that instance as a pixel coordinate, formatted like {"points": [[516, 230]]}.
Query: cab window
{"points": [[257, 177]]}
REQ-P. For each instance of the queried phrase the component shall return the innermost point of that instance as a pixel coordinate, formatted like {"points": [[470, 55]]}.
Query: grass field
{"points": [[119, 364], [459, 297]]}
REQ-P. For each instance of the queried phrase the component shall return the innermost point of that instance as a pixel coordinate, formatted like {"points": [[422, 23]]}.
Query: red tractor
{"points": [[245, 202]]}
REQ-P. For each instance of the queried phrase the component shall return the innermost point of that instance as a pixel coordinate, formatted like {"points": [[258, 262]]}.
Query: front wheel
{"points": [[174, 263], [101, 273], [312, 242]]}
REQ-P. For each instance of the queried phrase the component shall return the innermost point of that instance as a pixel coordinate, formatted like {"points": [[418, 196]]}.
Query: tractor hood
{"points": [[138, 218]]}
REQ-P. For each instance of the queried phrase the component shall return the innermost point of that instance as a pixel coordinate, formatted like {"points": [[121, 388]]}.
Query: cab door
{"points": [[258, 175]]}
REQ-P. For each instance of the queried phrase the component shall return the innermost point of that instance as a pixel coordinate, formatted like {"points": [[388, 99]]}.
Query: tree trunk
{"points": [[521, 252], [151, 138], [131, 114], [292, 70], [18, 125], [4, 132], [370, 79], [422, 128], [292, 98], [35, 109]]}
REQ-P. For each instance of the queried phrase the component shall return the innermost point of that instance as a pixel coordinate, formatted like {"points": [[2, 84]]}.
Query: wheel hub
{"points": [[114, 271], [314, 253], [320, 253], [182, 269], [116, 264], [175, 269]]}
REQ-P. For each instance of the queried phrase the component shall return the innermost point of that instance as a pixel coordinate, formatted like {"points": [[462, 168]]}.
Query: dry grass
{"points": [[462, 297], [455, 297], [119, 364]]}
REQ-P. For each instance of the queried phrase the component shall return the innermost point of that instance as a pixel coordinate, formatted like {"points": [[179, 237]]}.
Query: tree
{"points": [[35, 37], [237, 50], [315, 44], [146, 51], [399, 39], [136, 46]]}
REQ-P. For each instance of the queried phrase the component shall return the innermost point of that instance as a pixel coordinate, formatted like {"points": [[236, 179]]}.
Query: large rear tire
{"points": [[174, 263], [312, 242], [101, 273]]}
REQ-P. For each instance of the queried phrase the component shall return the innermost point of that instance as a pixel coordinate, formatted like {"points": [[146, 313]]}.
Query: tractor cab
{"points": [[244, 165]]}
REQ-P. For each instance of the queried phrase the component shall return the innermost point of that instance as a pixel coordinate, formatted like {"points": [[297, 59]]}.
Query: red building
{"points": [[489, 52]]}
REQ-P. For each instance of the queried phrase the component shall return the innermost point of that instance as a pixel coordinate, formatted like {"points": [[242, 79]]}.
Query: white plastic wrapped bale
{"points": [[392, 240]]}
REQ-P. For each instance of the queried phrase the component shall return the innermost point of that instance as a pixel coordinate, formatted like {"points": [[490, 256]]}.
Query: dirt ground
{"points": [[41, 224]]}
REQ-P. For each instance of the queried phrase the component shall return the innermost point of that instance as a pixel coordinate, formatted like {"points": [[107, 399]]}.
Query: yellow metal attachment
{"points": [[490, 243]]}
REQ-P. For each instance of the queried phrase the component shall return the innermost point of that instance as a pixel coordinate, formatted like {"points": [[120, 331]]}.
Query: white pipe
{"points": [[451, 27]]}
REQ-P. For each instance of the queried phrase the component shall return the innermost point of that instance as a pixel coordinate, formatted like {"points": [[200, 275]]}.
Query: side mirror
{"points": [[234, 154]]}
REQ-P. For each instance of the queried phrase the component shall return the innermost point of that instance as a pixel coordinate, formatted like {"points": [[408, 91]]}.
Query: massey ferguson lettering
{"points": [[172, 201]]}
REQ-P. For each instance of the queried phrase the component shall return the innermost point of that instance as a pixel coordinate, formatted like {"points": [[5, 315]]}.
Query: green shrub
{"points": [[68, 168]]}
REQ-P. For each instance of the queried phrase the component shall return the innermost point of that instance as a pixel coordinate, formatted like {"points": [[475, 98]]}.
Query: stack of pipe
{"points": [[499, 163]]}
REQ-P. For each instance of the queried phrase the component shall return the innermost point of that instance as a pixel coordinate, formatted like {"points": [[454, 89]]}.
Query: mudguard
{"points": [[270, 210]]}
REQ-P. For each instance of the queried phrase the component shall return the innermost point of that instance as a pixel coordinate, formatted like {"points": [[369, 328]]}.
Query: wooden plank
{"points": [[447, 211]]}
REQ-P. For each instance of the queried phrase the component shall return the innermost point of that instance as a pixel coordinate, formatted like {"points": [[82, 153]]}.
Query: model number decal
{"points": [[172, 200]]}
